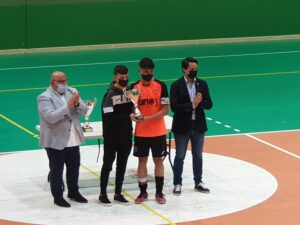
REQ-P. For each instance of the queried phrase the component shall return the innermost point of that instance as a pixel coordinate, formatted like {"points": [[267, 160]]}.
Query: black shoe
{"points": [[120, 199], [61, 202], [104, 200], [77, 198], [201, 188]]}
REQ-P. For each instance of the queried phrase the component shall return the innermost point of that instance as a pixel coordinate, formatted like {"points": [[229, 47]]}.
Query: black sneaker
{"points": [[104, 200], [61, 202], [120, 199], [77, 198], [202, 188]]}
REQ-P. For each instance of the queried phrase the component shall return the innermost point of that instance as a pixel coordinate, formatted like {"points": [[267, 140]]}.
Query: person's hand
{"points": [[73, 101], [133, 118], [136, 119], [198, 98], [76, 99]]}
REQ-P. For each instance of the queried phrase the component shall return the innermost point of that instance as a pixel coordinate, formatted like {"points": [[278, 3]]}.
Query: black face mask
{"points": [[192, 74], [123, 83], [147, 77]]}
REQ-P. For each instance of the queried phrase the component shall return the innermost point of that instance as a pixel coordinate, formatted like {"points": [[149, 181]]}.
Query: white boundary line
{"points": [[153, 44], [209, 136], [273, 146], [260, 132], [135, 61]]}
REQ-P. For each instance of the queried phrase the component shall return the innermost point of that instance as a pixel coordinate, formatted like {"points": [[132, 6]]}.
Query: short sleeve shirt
{"points": [[151, 99]]}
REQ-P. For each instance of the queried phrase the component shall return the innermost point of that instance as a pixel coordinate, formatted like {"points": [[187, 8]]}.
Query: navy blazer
{"points": [[182, 106]]}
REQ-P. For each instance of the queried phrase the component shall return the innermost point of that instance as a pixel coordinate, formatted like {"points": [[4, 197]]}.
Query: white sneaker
{"points": [[202, 188], [177, 190]]}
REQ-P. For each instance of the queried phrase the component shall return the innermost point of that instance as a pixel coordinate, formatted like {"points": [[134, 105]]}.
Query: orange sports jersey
{"points": [[151, 99]]}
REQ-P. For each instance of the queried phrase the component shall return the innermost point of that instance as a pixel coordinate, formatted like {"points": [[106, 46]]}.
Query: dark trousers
{"points": [[57, 158], [111, 149]]}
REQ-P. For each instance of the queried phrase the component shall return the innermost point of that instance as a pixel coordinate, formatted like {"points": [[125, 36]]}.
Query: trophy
{"points": [[90, 104], [134, 95]]}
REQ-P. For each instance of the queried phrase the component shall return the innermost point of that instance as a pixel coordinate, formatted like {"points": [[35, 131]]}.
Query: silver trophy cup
{"points": [[134, 95], [90, 104]]}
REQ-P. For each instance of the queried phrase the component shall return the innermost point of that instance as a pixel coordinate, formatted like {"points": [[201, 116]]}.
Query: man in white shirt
{"points": [[59, 108]]}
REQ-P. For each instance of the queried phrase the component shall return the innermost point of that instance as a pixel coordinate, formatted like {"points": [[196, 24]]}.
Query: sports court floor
{"points": [[252, 150]]}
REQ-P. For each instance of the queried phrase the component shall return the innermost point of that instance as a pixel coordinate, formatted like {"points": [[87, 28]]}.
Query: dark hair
{"points": [[146, 63], [187, 60], [120, 69]]}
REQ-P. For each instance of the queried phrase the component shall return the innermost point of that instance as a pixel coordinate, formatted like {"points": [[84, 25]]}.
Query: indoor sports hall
{"points": [[249, 55]]}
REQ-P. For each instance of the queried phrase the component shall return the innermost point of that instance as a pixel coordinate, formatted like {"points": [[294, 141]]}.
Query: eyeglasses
{"points": [[61, 81]]}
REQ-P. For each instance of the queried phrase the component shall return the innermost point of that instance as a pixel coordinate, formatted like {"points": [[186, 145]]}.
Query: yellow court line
{"points": [[166, 80], [19, 126], [132, 198], [90, 171], [44, 88]]}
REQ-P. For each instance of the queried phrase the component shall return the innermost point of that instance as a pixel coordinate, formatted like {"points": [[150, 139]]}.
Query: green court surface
{"points": [[254, 86]]}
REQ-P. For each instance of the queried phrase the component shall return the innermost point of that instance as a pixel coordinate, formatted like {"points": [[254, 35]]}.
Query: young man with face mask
{"points": [[60, 107], [117, 134], [150, 130], [189, 98]]}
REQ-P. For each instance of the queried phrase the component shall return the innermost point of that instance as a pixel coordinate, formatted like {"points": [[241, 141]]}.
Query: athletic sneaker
{"points": [[141, 198], [160, 198], [104, 200], [121, 200], [202, 188], [177, 190]]}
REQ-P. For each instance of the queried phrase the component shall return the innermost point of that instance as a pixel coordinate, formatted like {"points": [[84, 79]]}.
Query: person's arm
{"points": [[165, 104], [48, 112], [163, 112], [206, 102], [108, 110], [175, 105]]}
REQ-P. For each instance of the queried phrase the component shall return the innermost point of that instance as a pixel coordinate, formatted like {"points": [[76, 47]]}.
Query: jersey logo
{"points": [[148, 102], [120, 99]]}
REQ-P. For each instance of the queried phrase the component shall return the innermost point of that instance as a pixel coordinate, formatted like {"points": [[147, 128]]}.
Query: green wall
{"points": [[50, 23], [12, 24]]}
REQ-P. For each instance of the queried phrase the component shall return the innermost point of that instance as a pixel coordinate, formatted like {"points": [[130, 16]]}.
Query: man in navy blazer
{"points": [[59, 108], [189, 98]]}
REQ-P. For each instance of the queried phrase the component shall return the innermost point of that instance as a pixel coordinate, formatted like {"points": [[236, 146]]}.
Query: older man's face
{"points": [[58, 78]]}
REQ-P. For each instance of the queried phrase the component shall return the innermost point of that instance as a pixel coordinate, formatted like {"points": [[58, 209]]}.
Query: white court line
{"points": [[135, 61], [259, 132], [273, 146]]}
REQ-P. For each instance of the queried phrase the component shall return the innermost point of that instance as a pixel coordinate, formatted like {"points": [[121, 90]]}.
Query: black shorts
{"points": [[157, 144]]}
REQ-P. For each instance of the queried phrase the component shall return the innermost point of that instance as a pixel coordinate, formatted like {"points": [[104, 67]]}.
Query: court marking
{"points": [[90, 171], [273, 146], [19, 126], [165, 80], [257, 139], [144, 205], [219, 123], [159, 59]]}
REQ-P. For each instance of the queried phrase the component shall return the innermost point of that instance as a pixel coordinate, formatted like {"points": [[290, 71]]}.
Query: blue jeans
{"points": [[181, 141]]}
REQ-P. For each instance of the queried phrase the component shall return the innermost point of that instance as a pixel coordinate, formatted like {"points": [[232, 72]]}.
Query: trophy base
{"points": [[139, 117], [87, 129]]}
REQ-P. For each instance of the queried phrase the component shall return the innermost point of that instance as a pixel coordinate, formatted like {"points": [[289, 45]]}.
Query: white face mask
{"points": [[61, 88]]}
